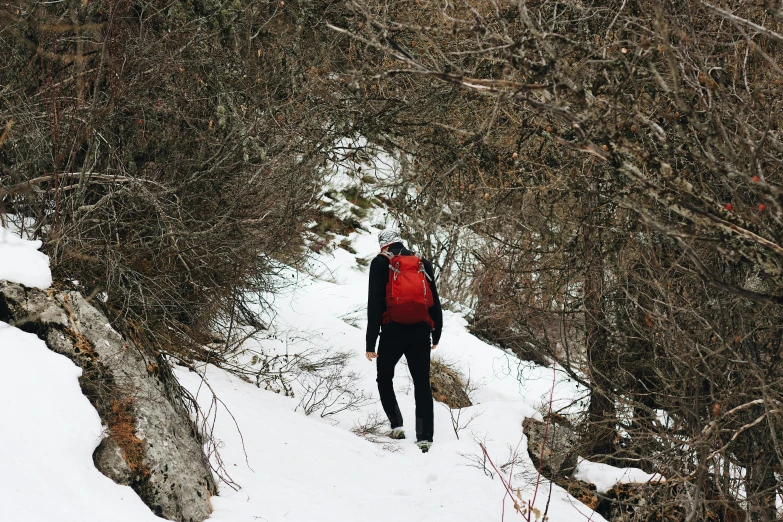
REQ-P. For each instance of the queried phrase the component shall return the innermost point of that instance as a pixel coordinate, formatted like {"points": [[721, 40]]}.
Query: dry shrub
{"points": [[328, 385], [168, 174], [374, 428], [448, 385]]}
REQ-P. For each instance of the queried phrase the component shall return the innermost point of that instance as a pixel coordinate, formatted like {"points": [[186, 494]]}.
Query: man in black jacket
{"points": [[396, 340]]}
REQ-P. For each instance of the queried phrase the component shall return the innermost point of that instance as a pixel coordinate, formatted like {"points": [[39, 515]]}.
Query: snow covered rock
{"points": [[48, 434], [21, 262], [552, 447], [582, 491], [151, 443], [605, 477]]}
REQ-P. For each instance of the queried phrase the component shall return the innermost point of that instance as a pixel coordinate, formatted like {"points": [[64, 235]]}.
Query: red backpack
{"points": [[408, 295]]}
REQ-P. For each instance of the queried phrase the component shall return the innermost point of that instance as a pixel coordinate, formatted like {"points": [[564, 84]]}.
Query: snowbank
{"points": [[48, 433], [20, 261], [605, 476]]}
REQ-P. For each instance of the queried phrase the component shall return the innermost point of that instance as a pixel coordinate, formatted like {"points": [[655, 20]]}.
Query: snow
{"points": [[605, 476], [300, 468], [48, 433], [20, 261], [289, 466], [304, 468]]}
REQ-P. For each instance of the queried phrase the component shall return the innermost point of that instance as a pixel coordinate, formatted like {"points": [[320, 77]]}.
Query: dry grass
{"points": [[122, 430], [375, 429], [80, 342]]}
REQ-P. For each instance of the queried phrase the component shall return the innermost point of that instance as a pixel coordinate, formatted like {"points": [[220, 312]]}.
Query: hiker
{"points": [[403, 305]]}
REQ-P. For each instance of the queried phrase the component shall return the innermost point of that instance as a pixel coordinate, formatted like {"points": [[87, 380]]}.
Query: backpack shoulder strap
{"points": [[423, 269], [388, 255]]}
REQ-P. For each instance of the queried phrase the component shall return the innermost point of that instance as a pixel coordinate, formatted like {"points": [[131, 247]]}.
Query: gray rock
{"points": [[555, 445], [151, 443]]}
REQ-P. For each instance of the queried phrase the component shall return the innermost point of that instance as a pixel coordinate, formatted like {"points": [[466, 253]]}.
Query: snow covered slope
{"points": [[48, 433], [49, 430], [301, 468], [290, 466]]}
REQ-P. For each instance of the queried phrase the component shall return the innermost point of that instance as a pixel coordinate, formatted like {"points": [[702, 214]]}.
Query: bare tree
{"points": [[169, 156], [654, 274]]}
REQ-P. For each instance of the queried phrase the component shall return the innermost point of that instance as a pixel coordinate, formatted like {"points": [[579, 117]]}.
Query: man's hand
{"points": [[370, 355], [434, 346]]}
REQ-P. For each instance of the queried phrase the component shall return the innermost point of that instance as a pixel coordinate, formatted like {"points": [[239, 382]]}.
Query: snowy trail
{"points": [[291, 467], [303, 468]]}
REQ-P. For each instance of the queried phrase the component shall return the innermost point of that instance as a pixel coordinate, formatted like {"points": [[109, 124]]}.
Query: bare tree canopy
{"points": [[617, 168], [598, 181]]}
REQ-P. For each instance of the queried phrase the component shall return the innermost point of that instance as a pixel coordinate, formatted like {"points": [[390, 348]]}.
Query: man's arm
{"points": [[376, 299], [435, 311]]}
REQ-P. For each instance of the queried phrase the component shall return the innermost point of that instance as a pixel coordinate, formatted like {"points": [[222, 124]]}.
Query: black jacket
{"points": [[376, 298]]}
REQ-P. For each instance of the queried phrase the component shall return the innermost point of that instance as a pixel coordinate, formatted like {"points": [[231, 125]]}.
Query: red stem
{"points": [[546, 432]]}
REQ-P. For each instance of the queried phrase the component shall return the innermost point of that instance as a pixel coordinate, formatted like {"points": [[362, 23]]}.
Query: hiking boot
{"points": [[397, 433], [424, 445]]}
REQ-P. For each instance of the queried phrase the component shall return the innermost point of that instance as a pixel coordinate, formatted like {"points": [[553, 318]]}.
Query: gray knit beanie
{"points": [[388, 237]]}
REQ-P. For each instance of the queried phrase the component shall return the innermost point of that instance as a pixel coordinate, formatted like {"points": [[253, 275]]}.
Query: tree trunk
{"points": [[600, 434]]}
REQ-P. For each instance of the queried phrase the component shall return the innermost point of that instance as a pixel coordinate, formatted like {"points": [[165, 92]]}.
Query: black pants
{"points": [[412, 341]]}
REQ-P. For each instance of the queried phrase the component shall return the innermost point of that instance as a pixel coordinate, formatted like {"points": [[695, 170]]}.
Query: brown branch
{"points": [[742, 21], [93, 178], [704, 272], [6, 132]]}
